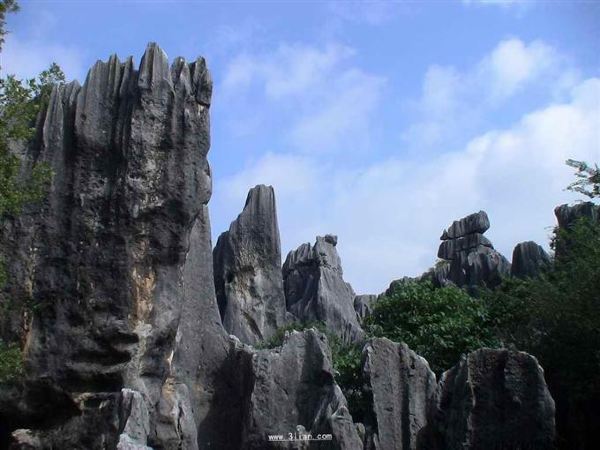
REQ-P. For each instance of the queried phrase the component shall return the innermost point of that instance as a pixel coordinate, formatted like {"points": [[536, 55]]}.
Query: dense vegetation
{"points": [[20, 103], [439, 324], [556, 317]]}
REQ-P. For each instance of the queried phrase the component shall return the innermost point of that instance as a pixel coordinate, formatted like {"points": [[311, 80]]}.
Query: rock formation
{"points": [[400, 385], [291, 389], [117, 262], [568, 214], [363, 305], [469, 258], [316, 291], [493, 399], [247, 270], [528, 260]]}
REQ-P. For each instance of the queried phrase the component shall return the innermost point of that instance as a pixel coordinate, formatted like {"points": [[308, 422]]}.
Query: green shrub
{"points": [[438, 323], [556, 317], [11, 362], [277, 339]]}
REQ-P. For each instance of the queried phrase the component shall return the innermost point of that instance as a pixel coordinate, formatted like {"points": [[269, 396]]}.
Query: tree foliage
{"points": [[20, 103], [11, 362], [437, 323], [6, 6], [588, 178], [556, 317]]}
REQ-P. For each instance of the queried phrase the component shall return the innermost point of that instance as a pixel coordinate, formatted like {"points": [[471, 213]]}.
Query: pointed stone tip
{"points": [[331, 239], [260, 195]]}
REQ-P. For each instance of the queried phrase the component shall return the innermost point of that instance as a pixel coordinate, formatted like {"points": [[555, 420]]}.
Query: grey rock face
{"points": [[469, 257], [363, 305], [528, 260], [316, 291], [494, 399], [400, 385], [473, 223], [568, 214], [118, 259], [247, 270], [291, 389], [452, 248]]}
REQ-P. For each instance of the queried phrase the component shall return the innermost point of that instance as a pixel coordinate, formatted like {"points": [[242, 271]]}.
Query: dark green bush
{"points": [[438, 323], [11, 362]]}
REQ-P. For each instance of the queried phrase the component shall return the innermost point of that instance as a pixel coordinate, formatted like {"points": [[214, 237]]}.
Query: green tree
{"points": [[6, 6], [20, 104], [556, 317], [588, 178], [438, 323]]}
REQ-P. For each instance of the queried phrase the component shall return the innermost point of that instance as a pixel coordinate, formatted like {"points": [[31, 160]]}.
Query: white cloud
{"points": [[344, 116], [26, 59], [389, 215], [454, 101], [513, 64], [290, 70], [325, 101]]}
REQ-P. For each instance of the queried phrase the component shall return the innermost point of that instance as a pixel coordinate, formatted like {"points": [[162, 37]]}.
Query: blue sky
{"points": [[377, 121]]}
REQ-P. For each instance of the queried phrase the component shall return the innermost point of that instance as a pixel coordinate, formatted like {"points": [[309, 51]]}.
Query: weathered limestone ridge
{"points": [[247, 270], [316, 291], [468, 257], [118, 261]]}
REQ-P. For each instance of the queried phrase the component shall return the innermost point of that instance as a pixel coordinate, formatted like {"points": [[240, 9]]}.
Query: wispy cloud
{"points": [[454, 101], [325, 102]]}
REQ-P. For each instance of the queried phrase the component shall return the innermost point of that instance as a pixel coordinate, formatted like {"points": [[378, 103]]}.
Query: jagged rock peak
{"points": [[123, 261], [469, 257], [363, 305], [247, 270], [399, 386], [473, 223], [315, 289], [292, 388], [493, 398], [566, 215], [528, 259]]}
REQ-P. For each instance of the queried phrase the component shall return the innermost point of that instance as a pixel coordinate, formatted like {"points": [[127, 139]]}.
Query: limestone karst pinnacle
{"points": [[468, 257], [247, 270]]}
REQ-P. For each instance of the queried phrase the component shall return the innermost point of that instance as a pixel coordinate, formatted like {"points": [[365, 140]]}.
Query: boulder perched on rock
{"points": [[247, 270], [469, 258], [493, 399], [291, 389], [315, 289], [363, 305], [399, 385], [528, 260], [476, 223]]}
